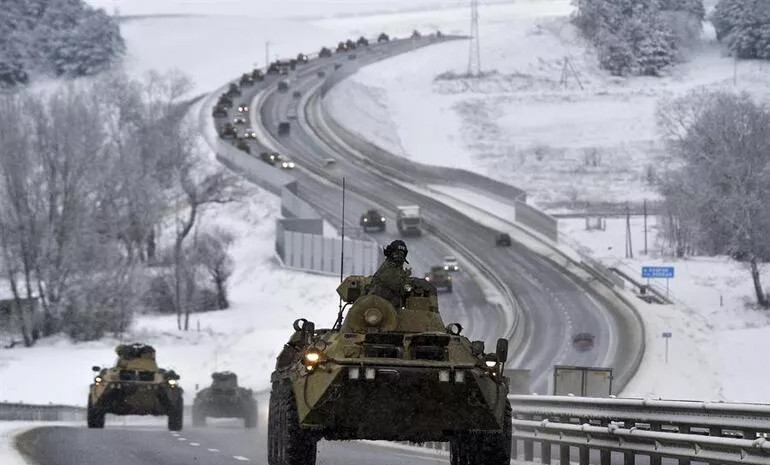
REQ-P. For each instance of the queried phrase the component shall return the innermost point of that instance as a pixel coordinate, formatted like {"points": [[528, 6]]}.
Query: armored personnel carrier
{"points": [[135, 386], [225, 399], [388, 373]]}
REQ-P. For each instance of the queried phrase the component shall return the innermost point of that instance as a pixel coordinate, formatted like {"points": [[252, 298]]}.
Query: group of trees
{"points": [[744, 26], [101, 189], [718, 189], [641, 37], [56, 37]]}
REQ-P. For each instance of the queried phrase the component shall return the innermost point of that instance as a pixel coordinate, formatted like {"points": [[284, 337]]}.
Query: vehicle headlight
{"points": [[382, 219], [366, 220], [98, 379], [312, 358], [490, 360], [172, 382], [291, 164]]}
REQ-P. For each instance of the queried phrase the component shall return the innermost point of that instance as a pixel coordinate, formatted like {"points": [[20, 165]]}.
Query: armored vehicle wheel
{"points": [[483, 449], [94, 415], [250, 418], [287, 443], [175, 416], [198, 417]]}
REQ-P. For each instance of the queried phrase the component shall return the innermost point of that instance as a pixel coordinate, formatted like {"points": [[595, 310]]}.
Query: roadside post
{"points": [[658, 272], [667, 337]]}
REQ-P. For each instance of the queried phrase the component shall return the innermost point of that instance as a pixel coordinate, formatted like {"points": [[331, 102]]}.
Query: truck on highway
{"points": [[408, 220]]}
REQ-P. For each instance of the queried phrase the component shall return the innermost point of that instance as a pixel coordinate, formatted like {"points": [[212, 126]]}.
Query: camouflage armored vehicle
{"points": [[225, 399], [388, 373], [362, 42], [440, 278], [219, 111], [283, 86], [228, 131], [243, 145], [258, 75], [325, 52], [284, 128], [225, 101], [342, 47], [135, 386], [382, 38], [351, 44], [302, 58]]}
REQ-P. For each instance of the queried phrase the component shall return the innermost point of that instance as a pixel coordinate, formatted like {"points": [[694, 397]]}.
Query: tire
{"points": [[176, 415], [198, 416], [483, 449], [287, 443], [94, 415], [250, 420], [495, 448]]}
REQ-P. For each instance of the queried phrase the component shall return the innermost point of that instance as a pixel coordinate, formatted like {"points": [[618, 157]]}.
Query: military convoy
{"points": [[225, 399], [440, 278], [135, 386], [388, 372]]}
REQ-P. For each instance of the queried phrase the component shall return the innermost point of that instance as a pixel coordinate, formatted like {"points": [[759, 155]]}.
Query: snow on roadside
{"points": [[8, 432]]}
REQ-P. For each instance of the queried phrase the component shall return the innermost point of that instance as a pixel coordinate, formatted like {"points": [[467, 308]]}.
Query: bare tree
{"points": [[211, 252], [719, 181]]}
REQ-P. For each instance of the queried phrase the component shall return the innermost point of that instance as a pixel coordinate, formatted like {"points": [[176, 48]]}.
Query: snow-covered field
{"points": [[563, 132]]}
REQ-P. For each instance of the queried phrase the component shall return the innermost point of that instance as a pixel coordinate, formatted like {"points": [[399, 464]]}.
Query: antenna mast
{"points": [[342, 249], [474, 54]]}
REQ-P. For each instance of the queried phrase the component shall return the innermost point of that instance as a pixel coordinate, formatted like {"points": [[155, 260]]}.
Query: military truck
{"points": [[228, 131], [243, 145], [219, 111], [440, 278], [284, 128], [225, 399], [258, 75], [342, 47], [382, 38], [408, 220], [135, 386], [372, 219], [387, 373], [283, 86], [247, 80], [325, 52], [362, 42], [302, 58]]}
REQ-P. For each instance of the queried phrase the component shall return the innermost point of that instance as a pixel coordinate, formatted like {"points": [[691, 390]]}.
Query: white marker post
{"points": [[667, 337]]}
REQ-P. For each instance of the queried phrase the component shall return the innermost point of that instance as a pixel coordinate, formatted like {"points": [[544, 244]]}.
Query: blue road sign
{"points": [[666, 334], [657, 272]]}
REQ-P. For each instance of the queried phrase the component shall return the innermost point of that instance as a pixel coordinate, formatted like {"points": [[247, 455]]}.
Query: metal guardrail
{"points": [[31, 412], [710, 432]]}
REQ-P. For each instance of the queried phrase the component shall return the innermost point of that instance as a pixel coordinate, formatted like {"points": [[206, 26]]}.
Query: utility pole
{"points": [[474, 54], [629, 245], [644, 208]]}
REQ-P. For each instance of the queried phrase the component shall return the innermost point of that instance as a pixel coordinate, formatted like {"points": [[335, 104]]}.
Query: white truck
{"points": [[408, 220]]}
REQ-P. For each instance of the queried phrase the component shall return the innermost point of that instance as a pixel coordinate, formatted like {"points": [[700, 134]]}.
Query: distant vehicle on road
{"points": [[408, 220], [284, 128], [503, 240], [225, 399], [269, 157], [243, 107], [321, 74], [249, 133], [302, 58], [284, 162], [351, 45], [382, 38], [325, 52], [296, 94], [258, 75], [416, 34], [240, 118], [233, 90], [219, 111], [228, 131], [291, 113], [283, 86], [583, 341], [372, 219], [247, 80], [243, 145], [450, 263], [362, 42], [440, 278], [342, 47]]}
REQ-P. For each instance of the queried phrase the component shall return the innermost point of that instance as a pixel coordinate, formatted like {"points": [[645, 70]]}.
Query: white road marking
{"points": [[194, 444], [213, 450], [181, 439], [242, 459]]}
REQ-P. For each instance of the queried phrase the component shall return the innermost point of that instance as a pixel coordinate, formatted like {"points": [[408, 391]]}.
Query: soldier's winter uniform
{"points": [[389, 279]]}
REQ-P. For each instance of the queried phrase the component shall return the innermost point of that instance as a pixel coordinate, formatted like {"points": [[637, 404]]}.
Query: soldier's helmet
{"points": [[396, 251]]}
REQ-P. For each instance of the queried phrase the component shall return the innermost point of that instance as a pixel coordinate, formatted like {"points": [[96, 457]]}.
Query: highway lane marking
{"points": [[181, 439], [242, 459], [213, 450], [195, 444]]}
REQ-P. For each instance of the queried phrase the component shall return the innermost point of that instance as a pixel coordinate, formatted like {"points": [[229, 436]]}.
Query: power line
{"points": [[474, 54]]}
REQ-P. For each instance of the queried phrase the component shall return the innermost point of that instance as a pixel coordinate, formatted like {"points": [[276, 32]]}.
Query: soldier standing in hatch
{"points": [[389, 279]]}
